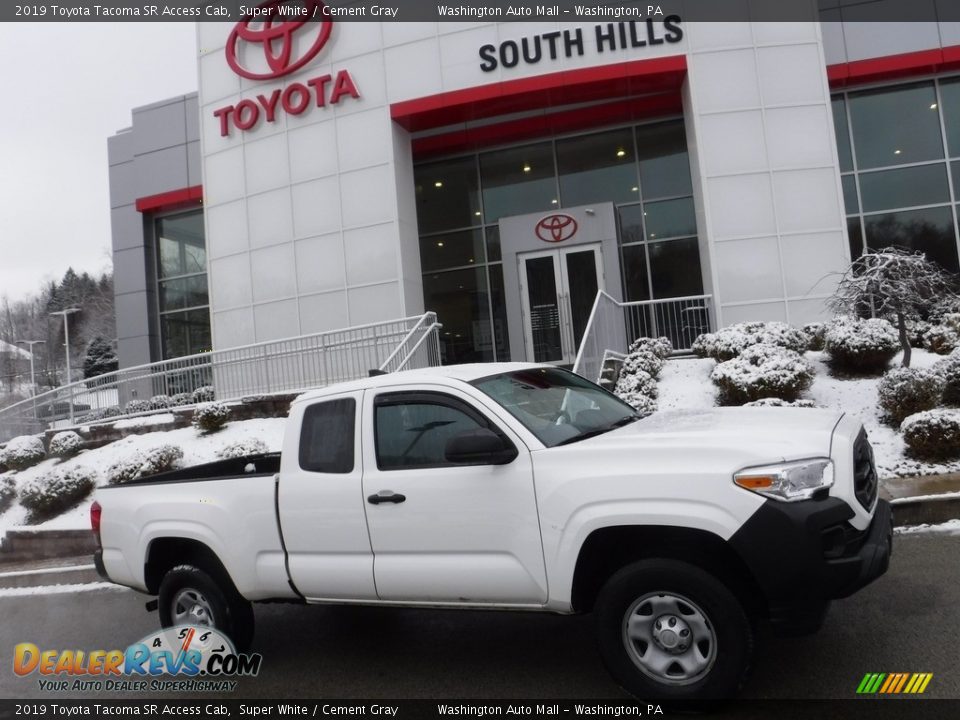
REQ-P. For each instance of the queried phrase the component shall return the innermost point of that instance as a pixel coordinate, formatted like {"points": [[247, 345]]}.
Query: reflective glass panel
{"points": [[929, 231], [518, 181], [905, 187], [447, 194], [895, 126], [597, 168], [460, 299], [664, 162]]}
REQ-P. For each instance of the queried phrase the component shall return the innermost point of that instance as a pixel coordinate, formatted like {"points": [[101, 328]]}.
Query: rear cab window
{"points": [[327, 436]]}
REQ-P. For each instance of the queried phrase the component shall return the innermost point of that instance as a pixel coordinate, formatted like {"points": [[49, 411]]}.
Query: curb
{"points": [[925, 510]]}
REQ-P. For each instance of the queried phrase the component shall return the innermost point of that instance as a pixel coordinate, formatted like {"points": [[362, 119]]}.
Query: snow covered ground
{"points": [[197, 449], [685, 384]]}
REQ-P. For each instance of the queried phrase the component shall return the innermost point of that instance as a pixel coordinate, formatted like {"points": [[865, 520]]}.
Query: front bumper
{"points": [[805, 554]]}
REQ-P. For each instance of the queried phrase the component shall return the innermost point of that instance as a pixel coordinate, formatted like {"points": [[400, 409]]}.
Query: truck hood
{"points": [[757, 435]]}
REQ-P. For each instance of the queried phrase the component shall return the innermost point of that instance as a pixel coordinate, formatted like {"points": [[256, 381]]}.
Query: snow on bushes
{"points": [[181, 399], [905, 391], [203, 394], [137, 406], [933, 434], [941, 339], [23, 452], [98, 415], [639, 390], [66, 444], [46, 496], [949, 371], [861, 346], [242, 448], [815, 333], [647, 355], [140, 464], [762, 371], [211, 417], [8, 493], [160, 402], [777, 402], [729, 342]]}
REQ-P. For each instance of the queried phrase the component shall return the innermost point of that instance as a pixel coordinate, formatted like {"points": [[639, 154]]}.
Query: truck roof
{"points": [[465, 373]]}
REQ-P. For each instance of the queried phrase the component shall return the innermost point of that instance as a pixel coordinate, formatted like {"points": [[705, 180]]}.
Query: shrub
{"points": [[777, 402], [905, 391], [762, 371], [137, 406], [815, 332], [8, 493], [140, 464], [181, 399], [639, 390], [211, 417], [643, 359], [949, 371], [66, 444], [660, 346], [160, 459], [204, 394], [23, 452], [242, 448], [731, 341], [160, 402], [941, 339], [861, 346], [47, 496], [916, 331], [932, 434]]}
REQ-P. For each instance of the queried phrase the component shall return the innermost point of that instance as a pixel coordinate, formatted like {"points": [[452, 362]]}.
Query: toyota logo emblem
{"points": [[277, 37], [556, 228]]}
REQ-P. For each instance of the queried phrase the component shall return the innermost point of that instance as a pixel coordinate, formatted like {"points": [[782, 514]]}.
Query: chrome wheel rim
{"points": [[669, 638], [190, 607]]}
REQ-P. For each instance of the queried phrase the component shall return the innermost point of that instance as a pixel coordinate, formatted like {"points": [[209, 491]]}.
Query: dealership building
{"points": [[500, 174]]}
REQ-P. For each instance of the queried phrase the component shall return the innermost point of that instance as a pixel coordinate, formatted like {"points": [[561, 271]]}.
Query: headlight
{"points": [[788, 482]]}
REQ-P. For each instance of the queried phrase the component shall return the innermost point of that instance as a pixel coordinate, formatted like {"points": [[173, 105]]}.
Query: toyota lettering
{"points": [[263, 46]]}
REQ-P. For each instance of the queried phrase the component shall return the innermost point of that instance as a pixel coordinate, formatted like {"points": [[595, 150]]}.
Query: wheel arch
{"points": [[606, 550], [165, 553]]}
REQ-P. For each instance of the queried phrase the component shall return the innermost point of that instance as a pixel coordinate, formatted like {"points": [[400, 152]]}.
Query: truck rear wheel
{"points": [[670, 631], [190, 596]]}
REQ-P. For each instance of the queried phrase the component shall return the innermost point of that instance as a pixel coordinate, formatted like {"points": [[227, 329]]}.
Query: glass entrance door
{"points": [[557, 290]]}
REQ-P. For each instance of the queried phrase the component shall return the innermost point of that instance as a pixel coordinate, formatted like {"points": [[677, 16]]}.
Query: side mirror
{"points": [[479, 447]]}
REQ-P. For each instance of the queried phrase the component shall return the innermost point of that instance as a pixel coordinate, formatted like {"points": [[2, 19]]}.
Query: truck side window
{"points": [[412, 429], [327, 437]]}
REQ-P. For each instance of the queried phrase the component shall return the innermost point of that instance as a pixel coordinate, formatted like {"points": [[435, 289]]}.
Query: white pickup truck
{"points": [[517, 486]]}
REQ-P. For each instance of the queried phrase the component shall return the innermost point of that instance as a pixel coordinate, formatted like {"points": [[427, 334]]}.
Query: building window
{"points": [[182, 294], [899, 185], [643, 170]]}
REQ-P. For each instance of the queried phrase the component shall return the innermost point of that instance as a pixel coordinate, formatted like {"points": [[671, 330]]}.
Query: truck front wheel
{"points": [[668, 630], [190, 596]]}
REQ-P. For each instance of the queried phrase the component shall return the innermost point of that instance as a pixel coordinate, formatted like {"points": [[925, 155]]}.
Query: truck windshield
{"points": [[556, 405]]}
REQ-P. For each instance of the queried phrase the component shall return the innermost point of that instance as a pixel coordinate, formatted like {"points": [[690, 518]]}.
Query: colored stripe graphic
{"points": [[894, 683]]}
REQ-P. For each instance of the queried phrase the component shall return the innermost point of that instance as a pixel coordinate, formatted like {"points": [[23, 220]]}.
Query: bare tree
{"points": [[895, 282]]}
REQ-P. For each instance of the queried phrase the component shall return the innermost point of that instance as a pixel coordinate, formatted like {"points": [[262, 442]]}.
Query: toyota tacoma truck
{"points": [[521, 487]]}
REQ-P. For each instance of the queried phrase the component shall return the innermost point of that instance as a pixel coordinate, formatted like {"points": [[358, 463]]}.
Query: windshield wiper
{"points": [[599, 431]]}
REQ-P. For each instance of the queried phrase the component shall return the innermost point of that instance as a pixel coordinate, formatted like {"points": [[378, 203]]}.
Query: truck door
{"points": [[320, 501], [444, 532]]}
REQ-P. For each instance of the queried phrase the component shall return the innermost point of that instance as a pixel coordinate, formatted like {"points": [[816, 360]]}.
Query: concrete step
{"points": [[38, 577]]}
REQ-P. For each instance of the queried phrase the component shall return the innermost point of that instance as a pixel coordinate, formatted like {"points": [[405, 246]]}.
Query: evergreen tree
{"points": [[99, 359]]}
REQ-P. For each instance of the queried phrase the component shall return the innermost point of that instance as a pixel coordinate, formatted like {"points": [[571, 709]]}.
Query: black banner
{"points": [[863, 709], [487, 10]]}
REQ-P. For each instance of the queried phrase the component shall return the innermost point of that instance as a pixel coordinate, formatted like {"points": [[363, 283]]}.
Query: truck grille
{"points": [[864, 471]]}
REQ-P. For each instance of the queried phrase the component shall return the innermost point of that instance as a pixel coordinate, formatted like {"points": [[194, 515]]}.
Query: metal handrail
{"points": [[432, 331], [613, 324], [288, 365]]}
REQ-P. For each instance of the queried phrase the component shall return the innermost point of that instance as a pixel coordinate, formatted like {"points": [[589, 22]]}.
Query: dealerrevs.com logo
{"points": [[283, 45], [199, 659], [275, 39]]}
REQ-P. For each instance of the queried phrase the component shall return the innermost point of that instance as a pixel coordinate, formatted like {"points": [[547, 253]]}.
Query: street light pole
{"points": [[33, 381], [30, 344], [66, 339]]}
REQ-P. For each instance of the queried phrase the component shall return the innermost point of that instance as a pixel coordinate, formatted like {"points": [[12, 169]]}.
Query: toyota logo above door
{"points": [[265, 45], [556, 228]]}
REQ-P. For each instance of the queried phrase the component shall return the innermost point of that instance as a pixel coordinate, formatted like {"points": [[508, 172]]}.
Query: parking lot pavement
{"points": [[908, 621]]}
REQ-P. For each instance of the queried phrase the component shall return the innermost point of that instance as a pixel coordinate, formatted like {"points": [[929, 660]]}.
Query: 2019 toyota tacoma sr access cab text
{"points": [[518, 486]]}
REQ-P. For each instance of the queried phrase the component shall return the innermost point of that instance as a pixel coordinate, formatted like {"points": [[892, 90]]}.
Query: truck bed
{"points": [[265, 464]]}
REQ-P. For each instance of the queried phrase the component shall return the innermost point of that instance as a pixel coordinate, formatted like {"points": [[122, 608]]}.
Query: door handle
{"points": [[386, 496]]}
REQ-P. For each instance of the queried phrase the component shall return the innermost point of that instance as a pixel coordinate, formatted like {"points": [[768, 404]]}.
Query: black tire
{"points": [[638, 597], [221, 605]]}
